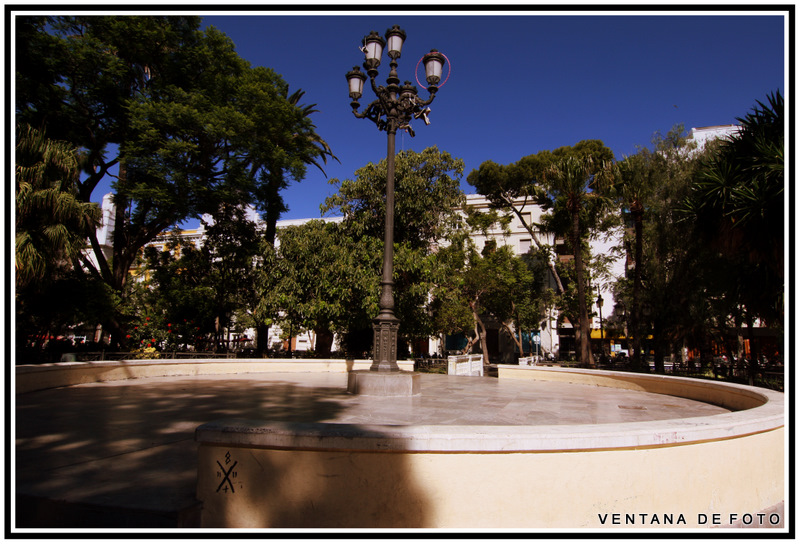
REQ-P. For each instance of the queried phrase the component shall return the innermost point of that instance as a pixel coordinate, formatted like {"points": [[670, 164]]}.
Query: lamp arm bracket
{"points": [[428, 101], [374, 112], [377, 89], [373, 84]]}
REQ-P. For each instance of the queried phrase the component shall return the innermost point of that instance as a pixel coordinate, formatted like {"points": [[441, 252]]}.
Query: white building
{"points": [[703, 135], [519, 239]]}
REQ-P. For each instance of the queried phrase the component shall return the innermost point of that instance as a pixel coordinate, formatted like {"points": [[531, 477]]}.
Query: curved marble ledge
{"points": [[766, 415]]}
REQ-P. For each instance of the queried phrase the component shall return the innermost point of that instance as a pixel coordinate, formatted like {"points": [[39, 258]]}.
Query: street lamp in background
{"points": [[394, 108], [600, 309]]}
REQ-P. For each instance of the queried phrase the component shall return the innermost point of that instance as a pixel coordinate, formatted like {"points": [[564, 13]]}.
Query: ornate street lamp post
{"points": [[600, 309], [394, 109]]}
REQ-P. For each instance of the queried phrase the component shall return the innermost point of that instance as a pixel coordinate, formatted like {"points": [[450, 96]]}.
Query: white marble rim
{"points": [[767, 416]]}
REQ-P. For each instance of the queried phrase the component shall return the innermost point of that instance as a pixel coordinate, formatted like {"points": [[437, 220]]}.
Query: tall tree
{"points": [[637, 183], [552, 179], [517, 185], [50, 224], [648, 186], [192, 294], [230, 249], [737, 203], [507, 288], [493, 283], [174, 294], [570, 186], [172, 114], [514, 187], [51, 221], [315, 280]]}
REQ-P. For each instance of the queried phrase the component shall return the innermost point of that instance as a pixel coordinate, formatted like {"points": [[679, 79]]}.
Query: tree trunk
{"points": [[480, 331], [324, 343], [517, 340], [636, 314], [289, 349], [659, 348], [535, 240], [262, 340], [470, 343], [586, 358]]}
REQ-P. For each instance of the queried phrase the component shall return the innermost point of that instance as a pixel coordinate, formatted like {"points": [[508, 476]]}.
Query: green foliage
{"points": [[508, 288], [426, 193], [503, 185], [189, 295], [187, 122], [319, 278], [709, 252], [737, 203], [51, 224], [148, 334], [484, 222], [427, 200], [68, 303], [576, 203], [324, 276], [517, 185], [666, 257], [494, 283], [229, 251], [174, 294], [567, 183], [50, 220]]}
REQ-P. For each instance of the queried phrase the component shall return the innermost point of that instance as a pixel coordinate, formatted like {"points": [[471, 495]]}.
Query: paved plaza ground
{"points": [[122, 453]]}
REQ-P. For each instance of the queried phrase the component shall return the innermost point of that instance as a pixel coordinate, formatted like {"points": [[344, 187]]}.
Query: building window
{"points": [[524, 246]]}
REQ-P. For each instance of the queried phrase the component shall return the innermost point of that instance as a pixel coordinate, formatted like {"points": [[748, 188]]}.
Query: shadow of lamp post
{"points": [[393, 109]]}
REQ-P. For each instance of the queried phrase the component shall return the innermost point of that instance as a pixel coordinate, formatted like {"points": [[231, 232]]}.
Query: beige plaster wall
{"points": [[577, 489]]}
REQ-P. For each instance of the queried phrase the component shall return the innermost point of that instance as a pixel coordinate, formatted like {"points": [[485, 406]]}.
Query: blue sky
{"points": [[521, 81]]}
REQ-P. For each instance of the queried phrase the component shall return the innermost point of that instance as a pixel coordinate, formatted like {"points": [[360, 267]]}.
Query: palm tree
{"points": [[51, 222], [737, 202], [644, 185], [317, 147], [737, 205], [308, 147], [632, 180], [569, 182]]}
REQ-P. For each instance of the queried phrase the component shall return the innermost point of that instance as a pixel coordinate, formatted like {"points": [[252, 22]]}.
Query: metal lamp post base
{"points": [[384, 378], [385, 344]]}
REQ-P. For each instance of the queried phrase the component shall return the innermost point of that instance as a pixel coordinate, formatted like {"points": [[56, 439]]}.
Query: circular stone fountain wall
{"points": [[645, 473], [678, 472]]}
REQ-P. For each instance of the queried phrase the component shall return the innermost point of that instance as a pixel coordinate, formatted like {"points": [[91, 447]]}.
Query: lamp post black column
{"points": [[602, 339], [393, 109], [386, 325]]}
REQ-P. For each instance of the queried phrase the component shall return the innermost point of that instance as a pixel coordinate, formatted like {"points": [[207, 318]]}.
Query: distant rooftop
{"points": [[702, 135]]}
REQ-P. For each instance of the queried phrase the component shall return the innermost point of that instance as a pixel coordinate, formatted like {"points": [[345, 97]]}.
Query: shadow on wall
{"points": [[284, 488], [124, 454]]}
